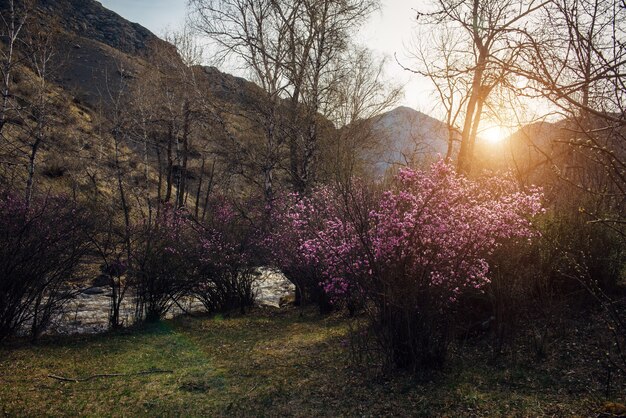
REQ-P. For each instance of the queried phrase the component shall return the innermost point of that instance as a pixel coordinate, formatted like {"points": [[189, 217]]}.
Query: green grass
{"points": [[266, 363]]}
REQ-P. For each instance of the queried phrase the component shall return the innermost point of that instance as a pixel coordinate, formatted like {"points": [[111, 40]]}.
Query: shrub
{"points": [[411, 252], [176, 256], [160, 269], [115, 272], [581, 243], [295, 220], [521, 287], [224, 271], [41, 247]]}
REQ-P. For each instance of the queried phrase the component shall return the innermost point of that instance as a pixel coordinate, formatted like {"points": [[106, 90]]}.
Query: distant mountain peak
{"points": [[403, 109], [408, 136]]}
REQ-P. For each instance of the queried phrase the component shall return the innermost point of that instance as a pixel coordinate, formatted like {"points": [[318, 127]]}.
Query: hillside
{"points": [[94, 46], [106, 75], [88, 19], [109, 72], [105, 66]]}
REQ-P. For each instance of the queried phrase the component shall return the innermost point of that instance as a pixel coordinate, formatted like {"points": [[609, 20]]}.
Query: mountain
{"points": [[530, 145], [105, 65], [100, 56], [546, 153], [407, 136], [404, 135], [94, 47]]}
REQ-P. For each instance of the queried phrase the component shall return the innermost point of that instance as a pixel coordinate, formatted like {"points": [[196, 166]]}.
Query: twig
{"points": [[252, 390], [96, 376], [185, 311]]}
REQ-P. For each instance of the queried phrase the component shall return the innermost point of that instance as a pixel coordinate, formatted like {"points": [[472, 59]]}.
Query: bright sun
{"points": [[494, 134]]}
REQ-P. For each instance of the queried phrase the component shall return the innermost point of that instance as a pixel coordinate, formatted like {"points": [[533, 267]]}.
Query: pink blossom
{"points": [[431, 229]]}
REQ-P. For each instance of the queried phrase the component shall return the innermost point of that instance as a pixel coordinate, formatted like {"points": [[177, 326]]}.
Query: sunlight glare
{"points": [[494, 134]]}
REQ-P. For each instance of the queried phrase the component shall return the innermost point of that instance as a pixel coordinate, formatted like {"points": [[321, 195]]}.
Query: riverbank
{"points": [[88, 311]]}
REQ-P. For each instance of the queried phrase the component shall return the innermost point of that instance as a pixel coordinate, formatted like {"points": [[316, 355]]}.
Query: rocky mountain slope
{"points": [[98, 48], [525, 150], [90, 20], [101, 69]]}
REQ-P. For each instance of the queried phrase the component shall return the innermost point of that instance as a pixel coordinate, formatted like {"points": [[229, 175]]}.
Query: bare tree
{"points": [[578, 65], [13, 20], [488, 31], [319, 43], [251, 31], [160, 118], [40, 51], [437, 59], [360, 92], [289, 47]]}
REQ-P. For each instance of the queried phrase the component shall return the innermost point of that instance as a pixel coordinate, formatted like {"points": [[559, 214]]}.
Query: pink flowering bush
{"points": [[296, 223], [406, 254], [177, 256], [224, 270], [42, 246], [161, 262]]}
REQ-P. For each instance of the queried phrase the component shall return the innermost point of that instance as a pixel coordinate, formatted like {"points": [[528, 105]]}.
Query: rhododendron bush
{"points": [[405, 254], [224, 270], [41, 248], [177, 256], [295, 222], [161, 262]]}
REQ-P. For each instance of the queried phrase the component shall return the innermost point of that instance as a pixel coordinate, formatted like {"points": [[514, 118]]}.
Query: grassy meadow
{"points": [[285, 363]]}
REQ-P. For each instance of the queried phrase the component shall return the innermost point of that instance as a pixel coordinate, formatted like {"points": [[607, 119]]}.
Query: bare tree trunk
{"points": [[120, 185], [160, 177], [40, 53], [472, 115], [170, 163], [209, 189], [32, 160], [200, 180], [185, 154]]}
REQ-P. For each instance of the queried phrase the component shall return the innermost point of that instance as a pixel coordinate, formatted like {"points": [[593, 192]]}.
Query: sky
{"points": [[155, 15], [387, 32]]}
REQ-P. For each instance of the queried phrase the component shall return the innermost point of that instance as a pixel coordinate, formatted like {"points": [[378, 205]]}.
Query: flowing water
{"points": [[88, 312]]}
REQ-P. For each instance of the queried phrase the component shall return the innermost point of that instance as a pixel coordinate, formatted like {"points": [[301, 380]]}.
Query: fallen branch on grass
{"points": [[97, 376]]}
